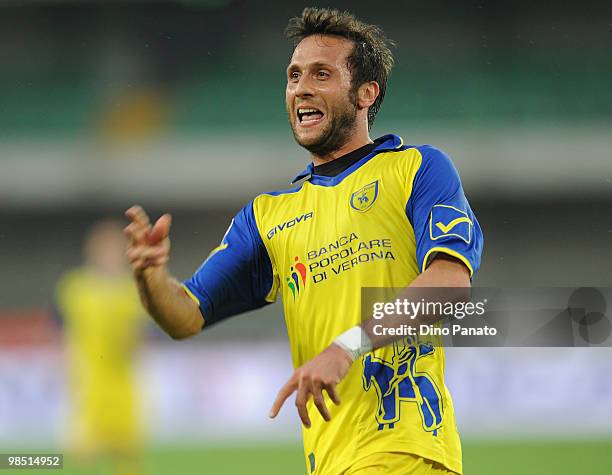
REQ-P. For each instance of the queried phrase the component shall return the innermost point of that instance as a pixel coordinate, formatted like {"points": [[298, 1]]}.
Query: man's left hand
{"points": [[324, 372]]}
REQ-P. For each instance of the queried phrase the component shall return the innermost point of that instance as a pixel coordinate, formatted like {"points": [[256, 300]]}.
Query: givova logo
{"points": [[297, 278], [289, 224]]}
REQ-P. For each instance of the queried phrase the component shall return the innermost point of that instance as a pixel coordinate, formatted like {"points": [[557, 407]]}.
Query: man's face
{"points": [[321, 104]]}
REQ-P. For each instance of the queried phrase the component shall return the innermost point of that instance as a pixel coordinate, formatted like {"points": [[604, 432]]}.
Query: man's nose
{"points": [[304, 86]]}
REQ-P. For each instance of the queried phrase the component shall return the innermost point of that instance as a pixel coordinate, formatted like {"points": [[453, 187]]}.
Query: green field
{"points": [[511, 458]]}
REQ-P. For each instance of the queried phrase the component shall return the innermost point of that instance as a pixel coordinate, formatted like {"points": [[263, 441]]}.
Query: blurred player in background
{"points": [[102, 317], [368, 213]]}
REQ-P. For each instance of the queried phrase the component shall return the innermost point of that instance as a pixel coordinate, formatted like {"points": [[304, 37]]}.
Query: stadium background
{"points": [[180, 107]]}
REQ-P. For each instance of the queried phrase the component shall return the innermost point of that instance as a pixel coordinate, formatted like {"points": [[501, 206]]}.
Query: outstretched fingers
{"points": [[140, 224], [333, 394], [287, 390], [305, 387], [301, 399], [160, 230], [137, 214], [149, 245], [319, 400], [136, 233]]}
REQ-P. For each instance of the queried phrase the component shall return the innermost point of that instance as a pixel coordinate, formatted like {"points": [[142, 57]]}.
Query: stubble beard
{"points": [[336, 133]]}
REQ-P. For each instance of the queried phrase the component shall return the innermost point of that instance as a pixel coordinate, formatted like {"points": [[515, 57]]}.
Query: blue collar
{"points": [[390, 142]]}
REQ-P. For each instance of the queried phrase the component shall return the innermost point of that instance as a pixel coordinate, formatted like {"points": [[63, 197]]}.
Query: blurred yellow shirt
{"points": [[102, 318]]}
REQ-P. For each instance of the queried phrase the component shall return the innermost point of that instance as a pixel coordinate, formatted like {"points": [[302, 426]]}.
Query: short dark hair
{"points": [[371, 59]]}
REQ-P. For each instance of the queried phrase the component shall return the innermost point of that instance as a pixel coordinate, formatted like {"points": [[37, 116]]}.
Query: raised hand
{"points": [[149, 245]]}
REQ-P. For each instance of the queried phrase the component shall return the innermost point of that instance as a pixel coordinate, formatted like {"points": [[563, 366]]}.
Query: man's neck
{"points": [[348, 147]]}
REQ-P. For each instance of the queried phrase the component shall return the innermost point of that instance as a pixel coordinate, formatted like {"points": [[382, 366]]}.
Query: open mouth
{"points": [[308, 116]]}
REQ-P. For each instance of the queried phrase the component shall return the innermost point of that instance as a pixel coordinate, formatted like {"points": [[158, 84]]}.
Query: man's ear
{"points": [[367, 94]]}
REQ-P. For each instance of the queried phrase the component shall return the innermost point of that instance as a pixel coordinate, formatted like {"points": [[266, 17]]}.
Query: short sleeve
{"points": [[237, 275], [440, 213]]}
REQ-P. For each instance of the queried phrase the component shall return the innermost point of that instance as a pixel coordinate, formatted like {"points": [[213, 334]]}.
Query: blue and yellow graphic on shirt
{"points": [[364, 198], [448, 221], [397, 382], [377, 224]]}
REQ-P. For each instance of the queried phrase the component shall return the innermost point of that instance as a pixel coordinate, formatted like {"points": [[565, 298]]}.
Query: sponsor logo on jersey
{"points": [[289, 224], [398, 382], [446, 221], [297, 278], [345, 254], [364, 198]]}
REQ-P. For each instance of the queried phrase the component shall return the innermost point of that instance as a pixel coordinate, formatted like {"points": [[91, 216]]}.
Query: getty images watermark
{"points": [[486, 317], [409, 309]]}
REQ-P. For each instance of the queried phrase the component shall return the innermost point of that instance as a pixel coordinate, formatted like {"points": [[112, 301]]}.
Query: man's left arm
{"points": [[326, 370]]}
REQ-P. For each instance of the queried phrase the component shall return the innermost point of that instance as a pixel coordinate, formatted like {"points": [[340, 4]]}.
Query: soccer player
{"points": [[103, 321], [366, 213]]}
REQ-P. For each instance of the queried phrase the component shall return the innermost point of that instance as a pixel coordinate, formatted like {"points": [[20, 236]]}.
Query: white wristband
{"points": [[355, 342]]}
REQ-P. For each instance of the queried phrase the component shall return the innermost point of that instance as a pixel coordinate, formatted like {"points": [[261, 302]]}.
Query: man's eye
{"points": [[322, 74], [294, 76]]}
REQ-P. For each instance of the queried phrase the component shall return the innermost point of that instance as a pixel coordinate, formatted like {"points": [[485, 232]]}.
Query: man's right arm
{"points": [[162, 295], [166, 301]]}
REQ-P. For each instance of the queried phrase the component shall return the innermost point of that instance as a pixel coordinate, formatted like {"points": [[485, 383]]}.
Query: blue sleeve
{"points": [[237, 275], [440, 214]]}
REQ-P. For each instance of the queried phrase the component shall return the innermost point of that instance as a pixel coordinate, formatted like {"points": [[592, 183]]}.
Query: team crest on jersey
{"points": [[364, 198], [398, 382], [297, 278]]}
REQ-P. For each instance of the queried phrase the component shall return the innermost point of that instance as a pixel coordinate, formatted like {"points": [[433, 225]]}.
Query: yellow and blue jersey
{"points": [[376, 224]]}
